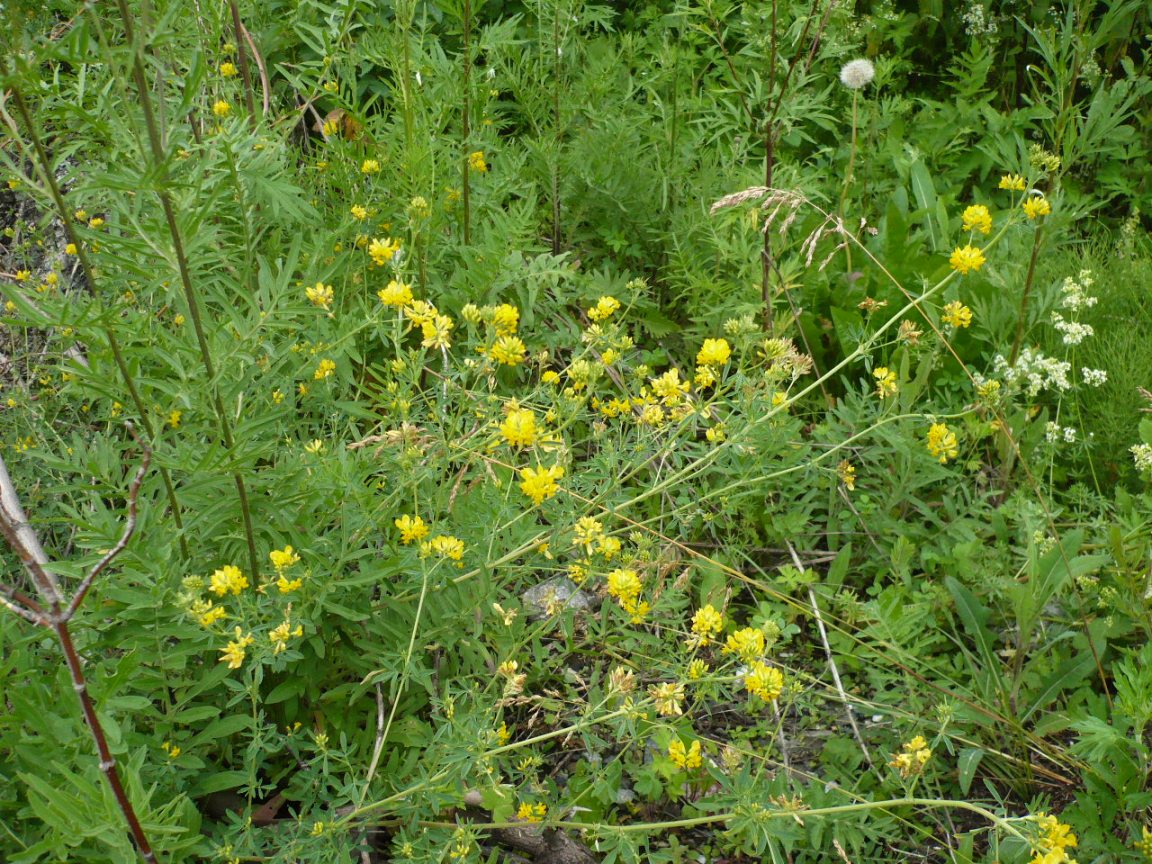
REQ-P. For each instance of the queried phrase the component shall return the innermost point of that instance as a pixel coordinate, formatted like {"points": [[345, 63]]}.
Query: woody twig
{"points": [[53, 611]]}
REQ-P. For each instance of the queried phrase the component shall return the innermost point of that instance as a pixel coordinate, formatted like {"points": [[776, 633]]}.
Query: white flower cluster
{"points": [[1094, 377], [1075, 296], [1033, 372], [1074, 332], [1142, 456], [975, 21], [1054, 432]]}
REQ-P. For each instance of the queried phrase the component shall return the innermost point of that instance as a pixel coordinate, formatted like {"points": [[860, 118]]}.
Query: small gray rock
{"points": [[555, 594]]}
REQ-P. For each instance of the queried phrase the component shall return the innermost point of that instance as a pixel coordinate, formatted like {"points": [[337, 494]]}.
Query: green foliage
{"points": [[521, 454]]}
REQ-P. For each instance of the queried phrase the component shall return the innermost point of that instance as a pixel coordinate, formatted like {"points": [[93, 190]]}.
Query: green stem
{"points": [[186, 279], [466, 124], [1037, 242]]}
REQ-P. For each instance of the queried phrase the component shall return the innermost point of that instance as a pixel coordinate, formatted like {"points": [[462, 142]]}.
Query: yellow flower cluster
{"points": [[1054, 842], [280, 635], [395, 294], [509, 350], [370, 166], [233, 654], [519, 427], [1036, 206], [221, 109], [957, 314], [531, 812], [444, 546], [713, 353], [624, 584], [282, 559], [764, 681], [539, 483], [320, 295], [1013, 182], [604, 309], [206, 612], [668, 698], [477, 163], [748, 644], [383, 250], [707, 624], [977, 218], [685, 757], [227, 579], [846, 471], [325, 369], [942, 443], [885, 381], [966, 259], [912, 758], [227, 69], [412, 529]]}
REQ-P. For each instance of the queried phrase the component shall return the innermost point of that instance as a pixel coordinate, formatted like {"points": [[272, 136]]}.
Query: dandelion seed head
{"points": [[857, 74]]}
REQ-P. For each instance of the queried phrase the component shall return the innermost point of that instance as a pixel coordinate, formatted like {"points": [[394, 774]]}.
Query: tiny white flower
{"points": [[856, 74]]}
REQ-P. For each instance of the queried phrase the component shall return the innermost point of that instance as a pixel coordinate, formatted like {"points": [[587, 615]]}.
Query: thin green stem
{"points": [[1037, 242], [190, 298], [466, 123]]}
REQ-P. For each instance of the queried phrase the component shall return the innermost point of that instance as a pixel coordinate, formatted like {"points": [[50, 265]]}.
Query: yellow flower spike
{"points": [[706, 625], [395, 294], [412, 529], [683, 757], [320, 295], [764, 681], [383, 250], [509, 351]]}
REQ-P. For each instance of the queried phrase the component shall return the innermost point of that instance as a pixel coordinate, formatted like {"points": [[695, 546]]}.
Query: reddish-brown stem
{"points": [[107, 760]]}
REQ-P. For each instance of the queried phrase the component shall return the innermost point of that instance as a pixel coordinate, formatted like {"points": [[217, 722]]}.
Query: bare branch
{"points": [[22, 605], [22, 538]]}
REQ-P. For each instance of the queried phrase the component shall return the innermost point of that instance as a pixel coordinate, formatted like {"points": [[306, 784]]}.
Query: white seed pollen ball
{"points": [[856, 74]]}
